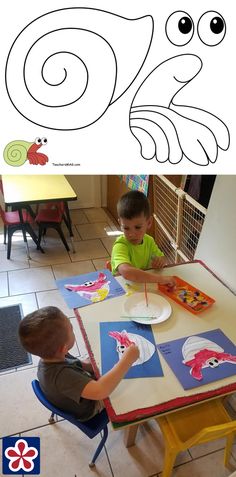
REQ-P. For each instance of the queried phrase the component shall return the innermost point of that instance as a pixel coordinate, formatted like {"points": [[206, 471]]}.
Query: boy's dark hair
{"points": [[43, 332], [132, 204]]}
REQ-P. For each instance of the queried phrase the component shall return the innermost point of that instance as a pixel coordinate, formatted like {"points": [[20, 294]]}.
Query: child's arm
{"points": [[158, 262], [101, 388], [143, 276]]}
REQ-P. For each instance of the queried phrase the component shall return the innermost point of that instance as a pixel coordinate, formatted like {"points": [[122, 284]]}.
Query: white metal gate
{"points": [[178, 220]]}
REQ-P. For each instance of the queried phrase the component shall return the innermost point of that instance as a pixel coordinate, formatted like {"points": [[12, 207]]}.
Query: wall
{"points": [[88, 190], [217, 243]]}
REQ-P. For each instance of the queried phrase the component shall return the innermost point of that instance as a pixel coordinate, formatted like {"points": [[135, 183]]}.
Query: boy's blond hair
{"points": [[43, 332], [132, 204]]}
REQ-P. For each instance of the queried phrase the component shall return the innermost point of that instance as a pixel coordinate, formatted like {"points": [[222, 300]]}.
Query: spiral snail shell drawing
{"points": [[71, 64]]}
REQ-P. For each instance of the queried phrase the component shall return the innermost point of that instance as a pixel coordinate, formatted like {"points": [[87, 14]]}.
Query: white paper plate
{"points": [[158, 309]]}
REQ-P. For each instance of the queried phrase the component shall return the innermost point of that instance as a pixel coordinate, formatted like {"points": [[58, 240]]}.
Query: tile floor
{"points": [[65, 452]]}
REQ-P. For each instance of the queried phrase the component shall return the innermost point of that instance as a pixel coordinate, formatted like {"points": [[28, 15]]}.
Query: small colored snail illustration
{"points": [[17, 152]]}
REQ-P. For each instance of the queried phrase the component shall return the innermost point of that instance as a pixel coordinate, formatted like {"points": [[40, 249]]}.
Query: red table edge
{"points": [[171, 405]]}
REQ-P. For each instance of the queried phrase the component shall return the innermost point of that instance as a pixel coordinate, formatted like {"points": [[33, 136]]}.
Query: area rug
{"points": [[12, 354]]}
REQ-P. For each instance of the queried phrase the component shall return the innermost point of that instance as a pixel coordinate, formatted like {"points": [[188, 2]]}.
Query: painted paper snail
{"points": [[17, 152], [200, 353]]}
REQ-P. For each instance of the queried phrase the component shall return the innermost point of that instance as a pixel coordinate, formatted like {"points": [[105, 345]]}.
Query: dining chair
{"points": [[12, 223], [91, 428], [51, 215], [195, 425]]}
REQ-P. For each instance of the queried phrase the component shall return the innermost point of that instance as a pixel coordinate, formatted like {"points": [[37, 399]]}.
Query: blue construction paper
{"points": [[172, 352], [74, 300], [109, 354]]}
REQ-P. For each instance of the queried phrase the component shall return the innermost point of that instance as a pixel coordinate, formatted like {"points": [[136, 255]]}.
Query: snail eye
{"points": [[88, 284], [44, 141], [211, 28], [37, 140], [179, 28]]}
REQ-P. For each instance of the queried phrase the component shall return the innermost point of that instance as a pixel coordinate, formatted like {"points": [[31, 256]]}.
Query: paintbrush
{"points": [[145, 293], [139, 317]]}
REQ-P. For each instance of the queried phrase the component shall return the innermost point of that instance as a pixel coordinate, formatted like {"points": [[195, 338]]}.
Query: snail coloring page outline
{"points": [[118, 90]]}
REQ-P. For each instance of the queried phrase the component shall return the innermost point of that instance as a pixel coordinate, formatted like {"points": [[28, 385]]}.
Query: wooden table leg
{"points": [[130, 435]]}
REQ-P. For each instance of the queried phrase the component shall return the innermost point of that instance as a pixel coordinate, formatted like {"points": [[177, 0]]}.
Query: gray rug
{"points": [[12, 354]]}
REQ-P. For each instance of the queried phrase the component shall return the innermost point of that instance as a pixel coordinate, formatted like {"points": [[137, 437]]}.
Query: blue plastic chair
{"points": [[91, 428]]}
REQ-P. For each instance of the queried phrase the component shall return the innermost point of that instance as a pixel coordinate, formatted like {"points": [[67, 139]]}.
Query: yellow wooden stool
{"points": [[194, 425]]}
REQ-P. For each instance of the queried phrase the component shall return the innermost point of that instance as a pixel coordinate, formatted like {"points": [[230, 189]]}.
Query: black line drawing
{"points": [[168, 131], [70, 67]]}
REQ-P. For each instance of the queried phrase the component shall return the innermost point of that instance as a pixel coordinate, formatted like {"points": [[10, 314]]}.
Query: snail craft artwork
{"points": [[16, 153], [115, 337], [93, 290], [200, 359], [89, 288], [199, 353], [72, 64]]}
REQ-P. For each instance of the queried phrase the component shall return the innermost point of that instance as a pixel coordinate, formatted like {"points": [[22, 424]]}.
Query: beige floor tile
{"points": [[93, 231], [108, 243], [55, 252], [88, 250], [203, 449], [28, 302], [54, 298], [52, 233], [96, 215], [66, 452], [78, 217], [32, 280], [18, 260], [230, 404], [100, 263], [208, 466], [19, 410], [143, 459], [70, 269], [234, 451], [3, 284]]}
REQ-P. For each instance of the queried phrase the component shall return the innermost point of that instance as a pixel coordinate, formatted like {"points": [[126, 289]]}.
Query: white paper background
{"points": [[108, 146]]}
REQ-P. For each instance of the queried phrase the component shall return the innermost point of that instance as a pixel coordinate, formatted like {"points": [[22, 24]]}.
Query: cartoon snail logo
{"points": [[16, 153], [71, 66]]}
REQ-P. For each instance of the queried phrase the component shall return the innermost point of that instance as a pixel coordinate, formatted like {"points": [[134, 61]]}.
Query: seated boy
{"points": [[67, 382], [135, 251]]}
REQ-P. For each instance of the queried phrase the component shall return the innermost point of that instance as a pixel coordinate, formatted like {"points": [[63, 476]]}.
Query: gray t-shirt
{"points": [[62, 384]]}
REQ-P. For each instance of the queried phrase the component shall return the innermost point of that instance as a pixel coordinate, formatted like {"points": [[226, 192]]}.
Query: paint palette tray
{"points": [[191, 298]]}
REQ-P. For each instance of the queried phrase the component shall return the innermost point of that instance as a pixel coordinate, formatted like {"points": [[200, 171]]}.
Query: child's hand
{"points": [[169, 281], [158, 262], [131, 354]]}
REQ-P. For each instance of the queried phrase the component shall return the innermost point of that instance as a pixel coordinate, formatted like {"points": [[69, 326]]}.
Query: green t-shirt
{"points": [[139, 256]]}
